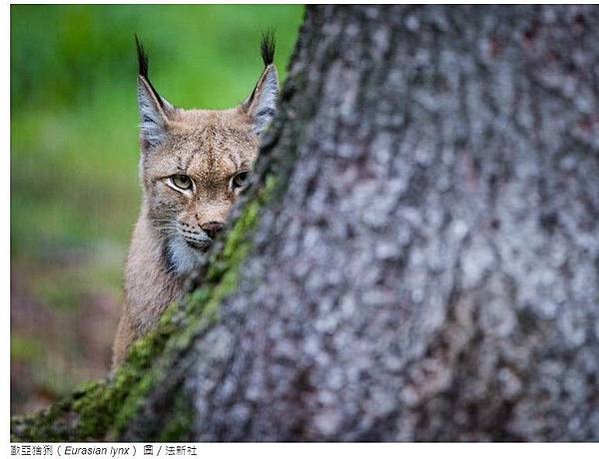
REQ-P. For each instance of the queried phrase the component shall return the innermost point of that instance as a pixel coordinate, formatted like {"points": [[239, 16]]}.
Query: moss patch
{"points": [[178, 427]]}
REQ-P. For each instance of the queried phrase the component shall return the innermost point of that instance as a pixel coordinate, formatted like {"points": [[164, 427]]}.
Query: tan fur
{"points": [[210, 147]]}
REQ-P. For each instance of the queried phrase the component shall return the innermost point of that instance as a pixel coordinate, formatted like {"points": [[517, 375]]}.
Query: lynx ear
{"points": [[154, 110], [262, 104]]}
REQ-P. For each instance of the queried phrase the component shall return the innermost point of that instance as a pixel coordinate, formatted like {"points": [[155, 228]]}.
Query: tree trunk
{"points": [[424, 262]]}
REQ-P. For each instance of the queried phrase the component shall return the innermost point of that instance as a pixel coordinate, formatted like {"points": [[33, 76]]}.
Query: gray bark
{"points": [[431, 270]]}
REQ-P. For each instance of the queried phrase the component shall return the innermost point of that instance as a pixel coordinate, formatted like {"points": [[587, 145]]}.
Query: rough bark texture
{"points": [[428, 266]]}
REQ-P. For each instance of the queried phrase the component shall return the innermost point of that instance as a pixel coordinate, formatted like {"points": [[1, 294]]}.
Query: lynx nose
{"points": [[212, 228]]}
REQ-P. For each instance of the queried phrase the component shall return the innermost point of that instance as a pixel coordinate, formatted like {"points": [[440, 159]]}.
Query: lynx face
{"points": [[196, 163]]}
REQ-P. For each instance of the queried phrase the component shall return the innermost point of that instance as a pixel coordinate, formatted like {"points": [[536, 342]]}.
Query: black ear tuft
{"points": [[142, 58], [143, 62], [267, 47]]}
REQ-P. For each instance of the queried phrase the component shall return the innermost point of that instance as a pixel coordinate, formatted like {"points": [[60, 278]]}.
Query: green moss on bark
{"points": [[178, 427]]}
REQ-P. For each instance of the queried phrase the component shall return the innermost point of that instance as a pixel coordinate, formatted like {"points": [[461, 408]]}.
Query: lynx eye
{"points": [[240, 180], [182, 182]]}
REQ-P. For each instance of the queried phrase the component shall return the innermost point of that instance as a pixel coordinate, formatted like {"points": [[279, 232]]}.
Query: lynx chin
{"points": [[194, 164]]}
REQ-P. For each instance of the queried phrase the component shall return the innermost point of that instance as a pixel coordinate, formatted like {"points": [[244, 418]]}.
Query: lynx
{"points": [[193, 166]]}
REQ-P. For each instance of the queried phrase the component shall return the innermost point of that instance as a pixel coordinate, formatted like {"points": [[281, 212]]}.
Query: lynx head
{"points": [[195, 163]]}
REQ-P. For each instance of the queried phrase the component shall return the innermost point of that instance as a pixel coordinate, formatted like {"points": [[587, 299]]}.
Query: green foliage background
{"points": [[74, 156]]}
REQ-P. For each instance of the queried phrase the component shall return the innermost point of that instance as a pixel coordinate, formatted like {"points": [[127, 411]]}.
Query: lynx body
{"points": [[193, 166]]}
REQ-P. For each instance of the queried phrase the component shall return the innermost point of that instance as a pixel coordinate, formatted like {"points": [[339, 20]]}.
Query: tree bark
{"points": [[426, 265]]}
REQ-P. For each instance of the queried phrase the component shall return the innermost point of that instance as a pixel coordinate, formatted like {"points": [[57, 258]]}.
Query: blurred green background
{"points": [[74, 156]]}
